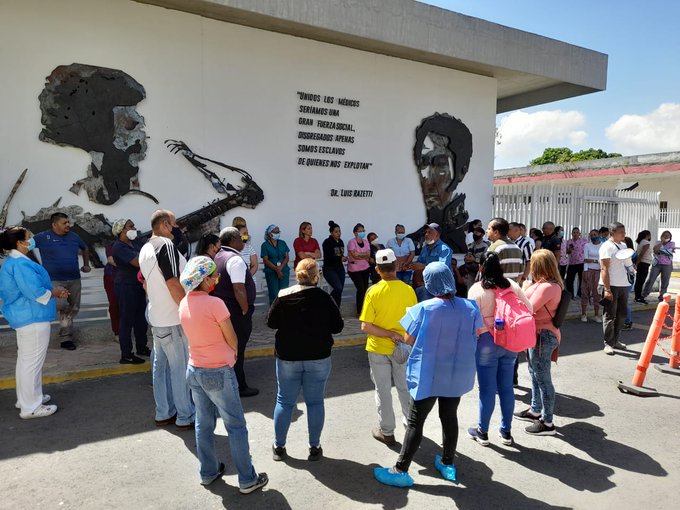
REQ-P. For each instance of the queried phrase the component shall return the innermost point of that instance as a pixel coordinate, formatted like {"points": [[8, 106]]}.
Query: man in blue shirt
{"points": [[59, 250], [434, 250]]}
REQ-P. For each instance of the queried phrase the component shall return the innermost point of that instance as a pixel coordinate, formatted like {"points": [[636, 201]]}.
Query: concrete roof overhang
{"points": [[530, 69]]}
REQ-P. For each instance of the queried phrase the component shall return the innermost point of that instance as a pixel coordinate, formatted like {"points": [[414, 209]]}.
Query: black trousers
{"points": [[360, 280], [243, 326], [131, 305], [573, 271], [642, 272], [614, 313], [448, 415]]}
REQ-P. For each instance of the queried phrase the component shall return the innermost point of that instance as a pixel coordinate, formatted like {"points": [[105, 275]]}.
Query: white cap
{"points": [[385, 257]]}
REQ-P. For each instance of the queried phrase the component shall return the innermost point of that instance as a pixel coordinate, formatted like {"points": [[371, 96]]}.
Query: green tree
{"points": [[552, 155]]}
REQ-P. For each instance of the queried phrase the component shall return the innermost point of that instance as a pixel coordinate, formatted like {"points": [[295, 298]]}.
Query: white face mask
{"points": [[375, 242], [429, 242], [131, 235]]}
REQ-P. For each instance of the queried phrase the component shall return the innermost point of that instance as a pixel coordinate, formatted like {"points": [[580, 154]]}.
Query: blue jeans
{"points": [[405, 276], [542, 389], [215, 391], [335, 276], [170, 390], [629, 308], [311, 377], [495, 371]]}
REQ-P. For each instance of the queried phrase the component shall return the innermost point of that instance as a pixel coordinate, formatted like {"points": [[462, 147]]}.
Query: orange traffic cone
{"points": [[673, 366], [636, 387]]}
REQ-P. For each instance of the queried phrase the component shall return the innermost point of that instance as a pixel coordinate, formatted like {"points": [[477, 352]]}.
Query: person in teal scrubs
{"points": [[441, 368], [274, 253]]}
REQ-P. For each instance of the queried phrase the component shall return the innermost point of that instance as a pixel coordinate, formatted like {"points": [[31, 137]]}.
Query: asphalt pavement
{"points": [[102, 449]]}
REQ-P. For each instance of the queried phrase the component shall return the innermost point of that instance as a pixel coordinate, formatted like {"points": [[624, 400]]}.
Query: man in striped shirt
{"points": [[509, 254], [515, 235]]}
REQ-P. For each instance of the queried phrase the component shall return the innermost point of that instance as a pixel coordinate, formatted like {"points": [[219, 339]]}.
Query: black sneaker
{"points": [[144, 352], [642, 301], [262, 480], [479, 436], [315, 453], [627, 326], [506, 437], [68, 345], [132, 360], [527, 415], [279, 453], [539, 428]]}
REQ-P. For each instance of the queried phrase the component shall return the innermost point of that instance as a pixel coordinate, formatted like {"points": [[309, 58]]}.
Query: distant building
{"points": [[646, 172]]}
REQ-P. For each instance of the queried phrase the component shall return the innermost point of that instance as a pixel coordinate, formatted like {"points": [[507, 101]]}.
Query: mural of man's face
{"points": [[93, 108], [436, 170], [128, 133]]}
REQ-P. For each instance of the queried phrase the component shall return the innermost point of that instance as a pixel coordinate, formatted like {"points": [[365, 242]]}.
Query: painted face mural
{"points": [[93, 108], [442, 156]]}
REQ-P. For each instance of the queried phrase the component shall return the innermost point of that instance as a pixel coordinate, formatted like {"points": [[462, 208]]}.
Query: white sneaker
{"points": [[41, 412], [45, 400], [598, 318], [608, 349], [584, 318]]}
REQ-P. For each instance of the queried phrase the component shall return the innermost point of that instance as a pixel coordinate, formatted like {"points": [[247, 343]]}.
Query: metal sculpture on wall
{"points": [[93, 108], [442, 154], [206, 219]]}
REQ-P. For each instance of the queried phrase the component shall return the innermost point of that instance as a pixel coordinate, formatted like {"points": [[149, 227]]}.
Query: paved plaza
{"points": [[102, 450]]}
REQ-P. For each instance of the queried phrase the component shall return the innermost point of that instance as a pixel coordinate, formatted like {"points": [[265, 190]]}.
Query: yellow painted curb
{"points": [[80, 375], [9, 383]]}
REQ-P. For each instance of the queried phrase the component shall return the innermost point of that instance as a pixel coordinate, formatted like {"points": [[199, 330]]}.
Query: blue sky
{"points": [[643, 44]]}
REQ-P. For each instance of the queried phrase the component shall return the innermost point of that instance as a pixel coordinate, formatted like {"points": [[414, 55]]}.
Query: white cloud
{"points": [[657, 131], [523, 136]]}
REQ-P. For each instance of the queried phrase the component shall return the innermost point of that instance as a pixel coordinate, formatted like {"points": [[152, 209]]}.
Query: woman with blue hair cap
{"points": [[441, 367], [211, 377], [274, 253]]}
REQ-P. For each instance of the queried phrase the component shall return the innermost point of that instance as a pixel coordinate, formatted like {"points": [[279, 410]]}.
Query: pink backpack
{"points": [[519, 332]]}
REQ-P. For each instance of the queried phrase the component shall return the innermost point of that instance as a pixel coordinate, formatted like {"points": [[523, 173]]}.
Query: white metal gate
{"points": [[572, 206]]}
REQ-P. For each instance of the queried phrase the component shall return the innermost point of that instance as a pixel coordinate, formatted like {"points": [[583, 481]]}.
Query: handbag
{"points": [[401, 353]]}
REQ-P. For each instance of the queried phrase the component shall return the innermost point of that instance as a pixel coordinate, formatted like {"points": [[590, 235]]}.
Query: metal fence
{"points": [[669, 218], [572, 206]]}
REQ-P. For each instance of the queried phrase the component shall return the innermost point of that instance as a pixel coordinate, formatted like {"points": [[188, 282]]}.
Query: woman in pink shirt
{"points": [[211, 376], [359, 250], [544, 293]]}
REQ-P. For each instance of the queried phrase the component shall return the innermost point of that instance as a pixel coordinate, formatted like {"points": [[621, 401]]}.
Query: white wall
{"points": [[230, 93]]}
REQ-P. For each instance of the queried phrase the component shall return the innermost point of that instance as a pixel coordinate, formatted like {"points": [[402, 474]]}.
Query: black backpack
{"points": [[562, 309]]}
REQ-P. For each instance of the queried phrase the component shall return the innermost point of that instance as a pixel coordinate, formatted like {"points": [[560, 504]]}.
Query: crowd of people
{"points": [[432, 326]]}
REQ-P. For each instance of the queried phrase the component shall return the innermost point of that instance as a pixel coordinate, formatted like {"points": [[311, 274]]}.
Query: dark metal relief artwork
{"points": [[206, 219], [442, 154], [93, 108]]}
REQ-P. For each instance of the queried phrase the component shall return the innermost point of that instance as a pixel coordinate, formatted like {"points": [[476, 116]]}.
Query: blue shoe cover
{"points": [[447, 472], [383, 475]]}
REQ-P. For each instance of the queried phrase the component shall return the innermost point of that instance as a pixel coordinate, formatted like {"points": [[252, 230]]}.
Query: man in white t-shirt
{"points": [[613, 287], [161, 265]]}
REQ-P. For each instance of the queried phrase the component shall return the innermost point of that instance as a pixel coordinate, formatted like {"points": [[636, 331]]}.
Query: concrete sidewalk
{"points": [[98, 350]]}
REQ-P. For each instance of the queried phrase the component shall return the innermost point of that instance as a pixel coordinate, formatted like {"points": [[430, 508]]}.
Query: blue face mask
{"points": [[362, 235], [276, 237], [31, 244], [594, 240], [401, 236]]}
